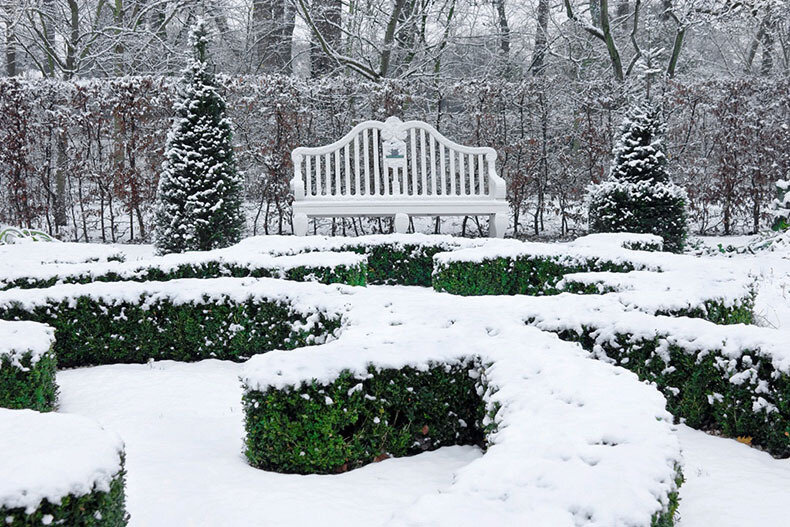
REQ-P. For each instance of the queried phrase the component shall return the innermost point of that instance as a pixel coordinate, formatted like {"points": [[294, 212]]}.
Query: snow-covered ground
{"points": [[183, 429]]}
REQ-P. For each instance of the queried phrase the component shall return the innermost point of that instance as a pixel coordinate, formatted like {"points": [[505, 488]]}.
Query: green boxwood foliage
{"points": [[698, 386], [343, 274], [524, 275], [399, 264], [91, 332], [30, 386], [95, 509], [334, 427]]}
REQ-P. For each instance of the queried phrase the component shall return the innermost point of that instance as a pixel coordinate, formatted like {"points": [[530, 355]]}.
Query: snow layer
{"points": [[671, 290], [282, 245], [51, 455], [183, 428], [603, 248], [232, 256], [692, 334], [728, 484], [18, 339], [578, 442], [304, 298]]}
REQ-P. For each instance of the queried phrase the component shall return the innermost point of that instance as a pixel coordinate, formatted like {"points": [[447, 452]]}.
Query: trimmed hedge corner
{"points": [[96, 509], [28, 382], [721, 383], [60, 469], [352, 421], [27, 366], [170, 320]]}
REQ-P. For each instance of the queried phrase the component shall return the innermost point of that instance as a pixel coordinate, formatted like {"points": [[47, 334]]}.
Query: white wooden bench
{"points": [[400, 169]]}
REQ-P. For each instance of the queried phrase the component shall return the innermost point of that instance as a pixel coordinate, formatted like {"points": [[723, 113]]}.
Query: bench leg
{"points": [[401, 223], [497, 225], [300, 224]]}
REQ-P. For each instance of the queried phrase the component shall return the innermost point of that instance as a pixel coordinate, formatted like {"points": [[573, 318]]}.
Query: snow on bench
{"points": [[397, 168]]}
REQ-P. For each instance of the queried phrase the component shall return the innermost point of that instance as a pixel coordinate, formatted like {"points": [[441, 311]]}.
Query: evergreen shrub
{"points": [[639, 196]]}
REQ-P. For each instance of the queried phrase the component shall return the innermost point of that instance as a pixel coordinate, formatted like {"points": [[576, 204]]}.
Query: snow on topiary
{"points": [[200, 191], [27, 366], [781, 205], [639, 195], [60, 469]]}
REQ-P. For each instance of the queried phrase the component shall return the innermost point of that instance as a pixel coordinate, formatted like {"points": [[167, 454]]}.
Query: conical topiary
{"points": [[639, 195], [781, 206], [200, 191]]}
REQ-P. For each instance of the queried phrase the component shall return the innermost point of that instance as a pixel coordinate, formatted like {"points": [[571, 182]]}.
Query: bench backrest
{"points": [[394, 159]]}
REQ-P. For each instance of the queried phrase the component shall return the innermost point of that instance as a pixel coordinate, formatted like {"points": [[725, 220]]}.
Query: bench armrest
{"points": [[297, 183], [497, 186]]}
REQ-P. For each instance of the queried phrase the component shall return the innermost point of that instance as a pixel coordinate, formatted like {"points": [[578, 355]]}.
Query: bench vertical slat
{"points": [[308, 177], [319, 185], [453, 174], [462, 173], [337, 191], [480, 175], [424, 189], [433, 164], [367, 161], [442, 169], [396, 172], [414, 190], [376, 169], [347, 172], [327, 174], [358, 189]]}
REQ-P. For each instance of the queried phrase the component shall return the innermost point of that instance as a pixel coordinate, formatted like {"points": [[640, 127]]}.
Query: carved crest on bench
{"points": [[393, 135]]}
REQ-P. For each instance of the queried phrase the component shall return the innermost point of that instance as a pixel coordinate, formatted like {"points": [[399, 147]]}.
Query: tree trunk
{"points": [[541, 39], [71, 44], [504, 36], [273, 25], [327, 18], [10, 47]]}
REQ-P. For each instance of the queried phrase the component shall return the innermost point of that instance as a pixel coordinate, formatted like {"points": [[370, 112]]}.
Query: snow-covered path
{"points": [[182, 424], [183, 428], [729, 484]]}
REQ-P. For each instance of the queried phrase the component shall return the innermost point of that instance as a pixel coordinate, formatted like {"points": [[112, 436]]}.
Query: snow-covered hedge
{"points": [[598, 264], [59, 469], [393, 259], [583, 442], [187, 319], [27, 366], [732, 379], [721, 297], [377, 259], [510, 267], [347, 268]]}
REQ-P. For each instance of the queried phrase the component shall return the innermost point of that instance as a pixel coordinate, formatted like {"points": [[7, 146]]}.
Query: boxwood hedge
{"points": [[95, 509], [343, 274], [399, 263], [91, 332], [523, 275], [707, 389], [329, 428], [28, 383]]}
